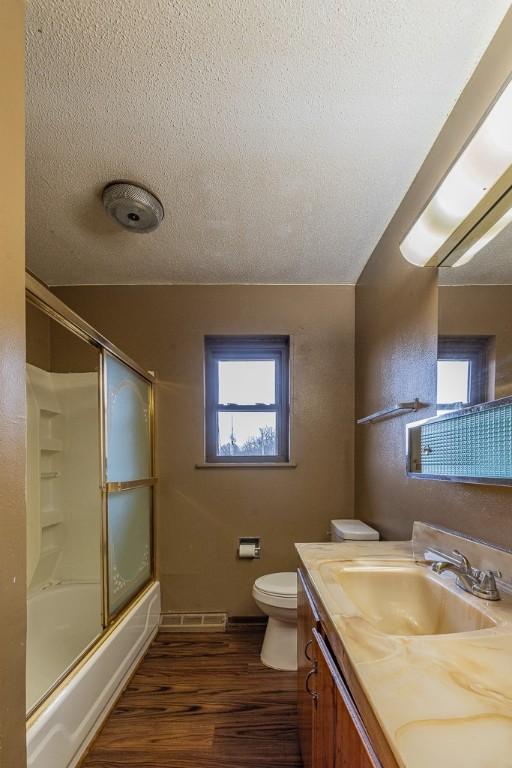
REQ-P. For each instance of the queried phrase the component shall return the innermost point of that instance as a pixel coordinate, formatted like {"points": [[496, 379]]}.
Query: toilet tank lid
{"points": [[354, 530], [283, 584]]}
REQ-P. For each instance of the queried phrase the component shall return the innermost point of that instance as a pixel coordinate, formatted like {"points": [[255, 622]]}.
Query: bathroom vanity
{"points": [[332, 731], [397, 666]]}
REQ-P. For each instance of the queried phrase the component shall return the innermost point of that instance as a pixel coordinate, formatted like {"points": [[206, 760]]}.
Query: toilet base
{"points": [[279, 649]]}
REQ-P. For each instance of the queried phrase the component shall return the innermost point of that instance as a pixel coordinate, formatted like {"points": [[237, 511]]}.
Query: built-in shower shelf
{"points": [[51, 444], [48, 413], [48, 560], [51, 551], [50, 517], [49, 475]]}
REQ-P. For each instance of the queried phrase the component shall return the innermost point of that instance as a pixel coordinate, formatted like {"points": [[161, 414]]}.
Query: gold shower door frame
{"points": [[41, 297]]}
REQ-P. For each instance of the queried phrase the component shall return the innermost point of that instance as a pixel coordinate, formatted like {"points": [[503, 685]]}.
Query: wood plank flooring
{"points": [[199, 701]]}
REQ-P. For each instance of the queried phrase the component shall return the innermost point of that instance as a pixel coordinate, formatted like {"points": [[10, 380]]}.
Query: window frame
{"points": [[475, 350], [225, 348]]}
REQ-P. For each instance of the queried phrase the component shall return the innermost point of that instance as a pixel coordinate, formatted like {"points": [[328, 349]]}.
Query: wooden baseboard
{"points": [[246, 623]]}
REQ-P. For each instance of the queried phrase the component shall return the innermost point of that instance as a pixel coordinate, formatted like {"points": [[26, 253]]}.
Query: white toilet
{"points": [[276, 595]]}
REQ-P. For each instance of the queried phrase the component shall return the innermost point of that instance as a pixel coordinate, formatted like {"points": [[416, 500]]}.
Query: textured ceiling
{"points": [[280, 135], [490, 266]]}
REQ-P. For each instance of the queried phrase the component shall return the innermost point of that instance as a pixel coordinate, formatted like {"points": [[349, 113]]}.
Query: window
{"points": [[247, 399], [462, 371]]}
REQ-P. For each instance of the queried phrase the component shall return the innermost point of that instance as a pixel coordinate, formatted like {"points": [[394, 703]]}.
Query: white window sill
{"points": [[246, 465]]}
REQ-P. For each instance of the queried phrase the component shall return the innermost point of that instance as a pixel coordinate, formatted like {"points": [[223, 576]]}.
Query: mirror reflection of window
{"points": [[452, 385], [462, 372]]}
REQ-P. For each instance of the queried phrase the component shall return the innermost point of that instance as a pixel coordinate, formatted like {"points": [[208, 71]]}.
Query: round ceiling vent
{"points": [[133, 207]]}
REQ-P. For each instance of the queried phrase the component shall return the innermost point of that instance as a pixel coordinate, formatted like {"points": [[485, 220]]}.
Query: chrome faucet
{"points": [[479, 583]]}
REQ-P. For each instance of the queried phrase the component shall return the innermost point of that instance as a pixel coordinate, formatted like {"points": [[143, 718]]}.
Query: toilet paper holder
{"points": [[249, 547]]}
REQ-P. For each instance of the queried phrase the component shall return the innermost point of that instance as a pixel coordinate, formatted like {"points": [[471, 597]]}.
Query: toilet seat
{"points": [[277, 589], [282, 584]]}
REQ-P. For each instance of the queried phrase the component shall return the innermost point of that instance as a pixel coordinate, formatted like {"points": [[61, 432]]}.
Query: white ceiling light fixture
{"points": [[479, 180], [132, 206], [485, 239]]}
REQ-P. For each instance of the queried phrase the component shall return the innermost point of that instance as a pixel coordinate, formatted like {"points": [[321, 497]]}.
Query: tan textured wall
{"points": [[52, 347], [481, 310], [12, 388], [202, 512], [396, 332]]}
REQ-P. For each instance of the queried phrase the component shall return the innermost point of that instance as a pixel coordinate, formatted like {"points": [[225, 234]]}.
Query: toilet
{"points": [[276, 595]]}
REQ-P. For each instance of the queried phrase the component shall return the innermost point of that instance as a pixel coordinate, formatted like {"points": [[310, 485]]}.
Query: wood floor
{"points": [[199, 701]]}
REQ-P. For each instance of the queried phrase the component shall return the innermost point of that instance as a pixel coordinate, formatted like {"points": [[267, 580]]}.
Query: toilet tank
{"points": [[352, 530]]}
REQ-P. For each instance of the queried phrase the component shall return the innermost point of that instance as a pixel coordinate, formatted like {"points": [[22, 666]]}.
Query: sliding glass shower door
{"points": [[89, 488], [129, 480], [64, 502]]}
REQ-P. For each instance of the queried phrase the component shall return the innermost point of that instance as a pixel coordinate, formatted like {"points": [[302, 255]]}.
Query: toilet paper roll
{"points": [[247, 550]]}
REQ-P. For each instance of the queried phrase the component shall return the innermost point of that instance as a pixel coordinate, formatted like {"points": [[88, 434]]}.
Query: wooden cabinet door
{"points": [[339, 736], [308, 620]]}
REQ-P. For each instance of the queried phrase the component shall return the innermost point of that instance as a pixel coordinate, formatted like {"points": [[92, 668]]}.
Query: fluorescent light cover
{"points": [[485, 239], [482, 163]]}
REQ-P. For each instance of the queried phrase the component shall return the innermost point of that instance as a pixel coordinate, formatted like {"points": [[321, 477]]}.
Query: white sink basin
{"points": [[404, 599]]}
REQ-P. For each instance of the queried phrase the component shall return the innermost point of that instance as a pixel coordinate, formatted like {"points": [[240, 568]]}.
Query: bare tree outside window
{"points": [[263, 444]]}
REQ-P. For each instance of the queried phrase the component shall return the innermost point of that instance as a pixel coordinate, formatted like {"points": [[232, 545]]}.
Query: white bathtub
{"points": [[60, 732]]}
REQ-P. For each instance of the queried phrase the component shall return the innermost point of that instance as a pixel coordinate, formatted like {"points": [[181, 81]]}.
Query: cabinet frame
{"points": [[307, 619]]}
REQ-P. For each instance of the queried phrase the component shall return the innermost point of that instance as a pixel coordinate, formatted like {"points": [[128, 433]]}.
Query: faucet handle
{"points": [[490, 575], [464, 564], [488, 584]]}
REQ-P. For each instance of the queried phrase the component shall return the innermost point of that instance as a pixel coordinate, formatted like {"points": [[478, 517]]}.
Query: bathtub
{"points": [[59, 732]]}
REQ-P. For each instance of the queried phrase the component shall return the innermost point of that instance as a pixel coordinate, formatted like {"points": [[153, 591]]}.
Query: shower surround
{"points": [[93, 605]]}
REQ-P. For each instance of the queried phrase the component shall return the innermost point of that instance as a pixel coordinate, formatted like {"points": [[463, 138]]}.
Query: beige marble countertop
{"points": [[441, 700]]}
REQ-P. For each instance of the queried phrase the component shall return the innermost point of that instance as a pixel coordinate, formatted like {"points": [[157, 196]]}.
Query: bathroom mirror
{"points": [[475, 326], [64, 606], [474, 365]]}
